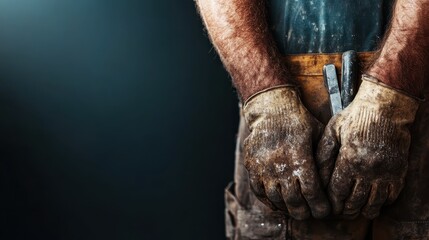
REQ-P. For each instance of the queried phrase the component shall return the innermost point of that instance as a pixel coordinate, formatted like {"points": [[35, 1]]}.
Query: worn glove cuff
{"points": [[369, 78], [288, 86], [386, 100], [271, 104], [277, 108]]}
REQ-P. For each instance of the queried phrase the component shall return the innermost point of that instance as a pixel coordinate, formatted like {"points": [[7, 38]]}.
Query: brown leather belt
{"points": [[312, 64], [307, 71]]}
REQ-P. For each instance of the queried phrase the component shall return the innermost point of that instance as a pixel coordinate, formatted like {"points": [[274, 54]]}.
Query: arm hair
{"points": [[403, 59], [239, 31]]}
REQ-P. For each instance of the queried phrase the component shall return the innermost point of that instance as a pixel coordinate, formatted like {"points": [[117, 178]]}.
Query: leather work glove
{"points": [[363, 154], [278, 153]]}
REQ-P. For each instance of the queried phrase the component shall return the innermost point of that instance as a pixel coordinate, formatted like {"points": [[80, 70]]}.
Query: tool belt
{"points": [[307, 70]]}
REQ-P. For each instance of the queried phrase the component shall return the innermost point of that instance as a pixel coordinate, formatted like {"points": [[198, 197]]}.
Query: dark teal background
{"points": [[117, 121]]}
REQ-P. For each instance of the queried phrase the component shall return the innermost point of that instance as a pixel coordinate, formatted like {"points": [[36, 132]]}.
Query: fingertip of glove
{"points": [[337, 206], [322, 210], [301, 216], [371, 215], [299, 213], [325, 175]]}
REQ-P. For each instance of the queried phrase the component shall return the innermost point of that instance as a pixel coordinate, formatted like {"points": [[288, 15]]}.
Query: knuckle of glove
{"points": [[377, 136]]}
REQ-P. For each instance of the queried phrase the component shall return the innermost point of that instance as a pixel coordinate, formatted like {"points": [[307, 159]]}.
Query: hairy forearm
{"points": [[239, 31], [403, 60]]}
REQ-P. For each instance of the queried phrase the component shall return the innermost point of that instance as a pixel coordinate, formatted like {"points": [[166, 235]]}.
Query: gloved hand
{"points": [[278, 153], [363, 154]]}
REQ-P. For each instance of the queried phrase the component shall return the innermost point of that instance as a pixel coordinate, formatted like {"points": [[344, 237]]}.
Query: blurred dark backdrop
{"points": [[117, 121]]}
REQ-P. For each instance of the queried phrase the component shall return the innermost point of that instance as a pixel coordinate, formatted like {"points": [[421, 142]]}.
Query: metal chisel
{"points": [[331, 81], [349, 75]]}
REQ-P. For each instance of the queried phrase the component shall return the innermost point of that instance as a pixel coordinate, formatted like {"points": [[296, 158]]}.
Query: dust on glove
{"points": [[278, 153], [363, 154]]}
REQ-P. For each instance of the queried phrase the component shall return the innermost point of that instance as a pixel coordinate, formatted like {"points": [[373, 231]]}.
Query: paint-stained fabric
{"points": [[315, 26]]}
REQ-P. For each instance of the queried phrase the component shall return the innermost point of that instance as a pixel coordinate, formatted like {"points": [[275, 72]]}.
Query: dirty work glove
{"points": [[363, 154], [279, 153]]}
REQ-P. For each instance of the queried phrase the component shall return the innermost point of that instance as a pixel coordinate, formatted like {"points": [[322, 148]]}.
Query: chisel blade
{"points": [[331, 81]]}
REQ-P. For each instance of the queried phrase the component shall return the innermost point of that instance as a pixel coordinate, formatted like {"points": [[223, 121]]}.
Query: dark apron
{"points": [[328, 26]]}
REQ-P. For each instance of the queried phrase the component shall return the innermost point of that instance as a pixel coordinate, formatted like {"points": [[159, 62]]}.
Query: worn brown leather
{"points": [[363, 153], [306, 70], [279, 153]]}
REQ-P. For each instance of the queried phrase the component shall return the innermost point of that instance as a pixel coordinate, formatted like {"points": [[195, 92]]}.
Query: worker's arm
{"points": [[279, 150], [239, 31], [404, 57], [363, 155]]}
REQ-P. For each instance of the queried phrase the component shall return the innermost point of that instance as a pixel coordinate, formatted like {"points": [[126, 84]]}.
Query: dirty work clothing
{"points": [[328, 26], [407, 218]]}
